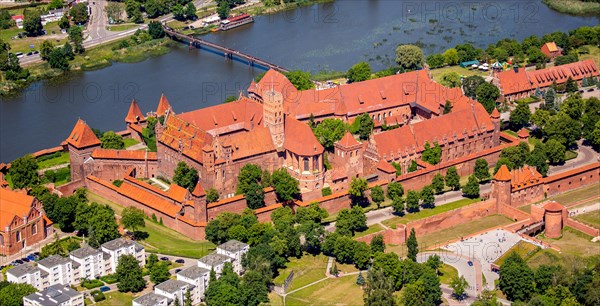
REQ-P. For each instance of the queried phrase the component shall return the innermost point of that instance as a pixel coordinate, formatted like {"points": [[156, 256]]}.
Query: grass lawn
{"points": [[116, 298], [307, 269], [570, 155], [438, 72], [275, 299], [424, 213], [23, 44], [63, 158], [130, 142], [577, 195], [372, 229], [574, 242], [527, 100], [122, 27], [333, 291], [435, 240], [593, 55], [511, 133], [591, 218], [162, 239], [525, 249], [447, 273]]}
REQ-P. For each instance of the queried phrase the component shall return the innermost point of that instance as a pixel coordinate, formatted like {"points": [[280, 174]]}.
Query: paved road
{"points": [[585, 156]]}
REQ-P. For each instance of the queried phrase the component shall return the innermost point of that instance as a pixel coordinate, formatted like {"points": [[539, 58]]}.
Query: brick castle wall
{"points": [[584, 228], [572, 179]]}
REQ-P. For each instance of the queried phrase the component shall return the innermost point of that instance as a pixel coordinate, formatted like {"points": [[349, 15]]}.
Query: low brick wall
{"points": [[572, 179], [513, 213], [390, 236], [48, 151], [584, 228]]}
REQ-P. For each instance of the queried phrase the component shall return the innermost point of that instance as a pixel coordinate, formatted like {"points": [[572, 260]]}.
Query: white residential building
{"points": [[151, 299], [56, 295], [198, 277], [176, 289], [28, 274], [235, 250], [120, 246], [91, 262], [61, 270], [214, 261]]}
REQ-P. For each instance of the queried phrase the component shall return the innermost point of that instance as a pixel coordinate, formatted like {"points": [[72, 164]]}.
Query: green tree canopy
{"points": [[412, 245], [410, 57], [32, 23], [451, 79], [362, 126], [427, 197], [470, 85], [520, 116], [129, 274], [159, 272], [471, 188], [11, 294], [412, 201], [452, 178], [330, 131], [250, 173], [255, 196], [516, 279], [185, 176], [482, 170], [79, 13], [156, 30], [212, 195], [451, 56], [377, 195], [395, 190], [23, 172], [377, 244], [286, 187], [300, 79], [379, 290], [132, 218], [110, 140], [432, 155], [555, 151], [359, 72], [487, 94], [438, 183]]}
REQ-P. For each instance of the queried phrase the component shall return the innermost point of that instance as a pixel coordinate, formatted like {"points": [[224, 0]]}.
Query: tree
{"points": [[487, 94], [520, 116], [363, 126], [156, 30], [431, 282], [45, 49], [102, 224], [395, 190], [486, 298], [451, 79], [377, 195], [132, 218], [313, 213], [362, 255], [358, 186], [451, 56], [79, 13], [447, 107], [330, 131], [151, 261], [377, 244], [538, 159], [134, 11], [412, 245], [379, 289], [571, 85], [427, 197], [434, 262], [76, 37], [32, 23], [286, 187], [555, 151], [535, 55], [470, 85], [223, 9], [114, 10], [11, 294], [129, 274], [68, 51], [504, 161], [398, 205], [432, 155], [255, 196], [573, 106], [225, 290], [564, 129], [459, 285], [452, 178], [591, 115], [438, 183], [23, 172], [178, 12], [359, 72], [187, 298], [110, 140], [413, 294], [250, 173], [516, 154], [409, 57], [413, 166], [57, 60], [516, 279], [360, 280], [190, 11], [185, 176], [159, 272], [300, 79], [471, 188], [212, 195], [435, 60], [412, 201], [482, 170], [549, 98], [350, 221]]}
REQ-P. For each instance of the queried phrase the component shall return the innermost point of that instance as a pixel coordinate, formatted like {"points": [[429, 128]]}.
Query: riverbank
{"points": [[574, 7], [93, 59]]}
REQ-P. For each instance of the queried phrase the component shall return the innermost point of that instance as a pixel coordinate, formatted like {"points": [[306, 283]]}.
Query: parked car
{"points": [[180, 261], [36, 52], [19, 54], [25, 259], [470, 263], [29, 53], [19, 262], [177, 270], [104, 289], [31, 257], [164, 258]]}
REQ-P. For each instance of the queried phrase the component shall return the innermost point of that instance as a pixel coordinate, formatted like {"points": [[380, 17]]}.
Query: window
{"points": [[34, 229], [18, 236], [305, 163]]}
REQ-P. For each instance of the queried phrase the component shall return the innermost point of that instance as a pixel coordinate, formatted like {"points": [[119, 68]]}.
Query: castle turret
{"points": [[273, 116], [81, 142], [495, 116], [501, 187], [163, 106], [134, 115]]}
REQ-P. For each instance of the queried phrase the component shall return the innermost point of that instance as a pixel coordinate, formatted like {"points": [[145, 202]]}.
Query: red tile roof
{"points": [[348, 141], [408, 139], [163, 105], [560, 74], [82, 136], [386, 167], [124, 154], [198, 190], [134, 115], [503, 174], [524, 177], [276, 81], [13, 205], [495, 114], [245, 144], [140, 192], [299, 138], [523, 133], [226, 118], [512, 82], [553, 206], [184, 136]]}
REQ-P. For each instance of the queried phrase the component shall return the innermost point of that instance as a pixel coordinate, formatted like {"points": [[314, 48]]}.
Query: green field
{"points": [[575, 7], [525, 249], [116, 298], [372, 229], [59, 159], [574, 242], [130, 142], [447, 273], [334, 291], [307, 269], [122, 27], [162, 239], [23, 44], [591, 218], [581, 194], [593, 55], [438, 72], [424, 213]]}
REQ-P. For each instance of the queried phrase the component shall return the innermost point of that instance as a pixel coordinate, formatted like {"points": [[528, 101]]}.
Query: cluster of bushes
{"points": [[60, 175], [109, 278], [91, 283], [98, 296]]}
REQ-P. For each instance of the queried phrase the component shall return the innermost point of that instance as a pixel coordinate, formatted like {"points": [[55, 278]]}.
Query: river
{"points": [[330, 36]]}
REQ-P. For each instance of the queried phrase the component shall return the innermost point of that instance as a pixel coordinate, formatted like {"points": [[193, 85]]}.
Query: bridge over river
{"points": [[226, 52]]}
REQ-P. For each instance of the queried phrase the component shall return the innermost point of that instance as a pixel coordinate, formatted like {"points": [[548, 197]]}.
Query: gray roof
{"points": [[85, 252], [54, 295], [118, 243], [53, 261], [193, 272], [233, 246], [150, 299], [21, 270], [214, 259], [173, 285]]}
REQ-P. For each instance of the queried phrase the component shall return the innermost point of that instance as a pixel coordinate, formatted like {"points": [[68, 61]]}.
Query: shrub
{"points": [[117, 183], [91, 283], [326, 191], [109, 279], [98, 296]]}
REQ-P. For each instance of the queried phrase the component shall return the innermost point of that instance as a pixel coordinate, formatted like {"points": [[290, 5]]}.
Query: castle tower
{"points": [[134, 115], [553, 216], [273, 116], [81, 143], [495, 116], [163, 106], [501, 187]]}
